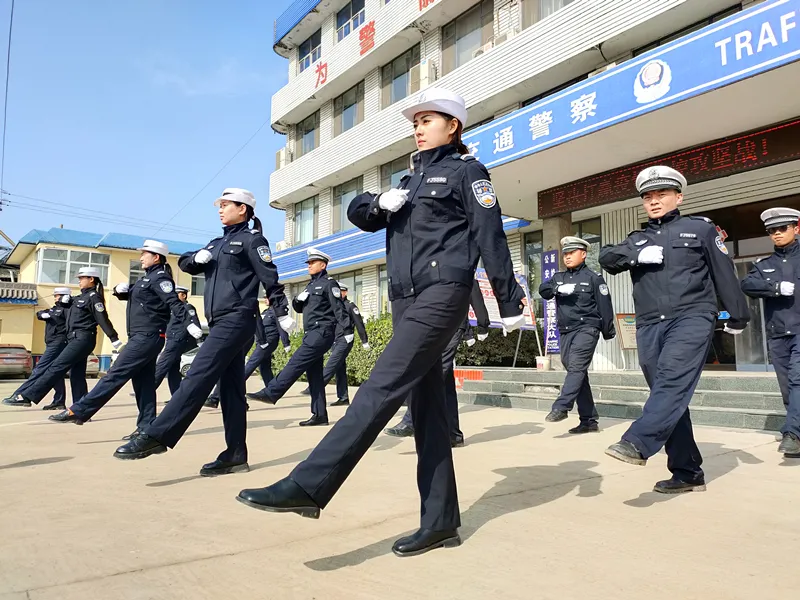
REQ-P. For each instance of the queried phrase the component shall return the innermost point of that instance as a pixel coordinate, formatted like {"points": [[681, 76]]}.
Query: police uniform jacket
{"points": [[695, 270], [450, 220], [270, 324], [479, 307], [151, 301], [324, 306], [55, 323], [241, 259], [355, 321], [86, 312], [763, 281], [176, 328], [586, 307]]}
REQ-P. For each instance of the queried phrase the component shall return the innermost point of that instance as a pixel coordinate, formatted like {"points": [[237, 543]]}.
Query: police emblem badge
{"points": [[652, 81], [484, 193], [99, 307], [264, 253], [166, 286]]}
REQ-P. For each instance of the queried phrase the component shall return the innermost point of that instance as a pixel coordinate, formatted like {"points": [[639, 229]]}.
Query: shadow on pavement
{"points": [[719, 462], [386, 442], [292, 458], [281, 424], [520, 489], [497, 433], [36, 461]]}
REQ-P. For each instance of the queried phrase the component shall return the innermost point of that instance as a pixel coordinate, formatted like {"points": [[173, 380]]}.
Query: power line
{"points": [[5, 105], [93, 214], [202, 189]]}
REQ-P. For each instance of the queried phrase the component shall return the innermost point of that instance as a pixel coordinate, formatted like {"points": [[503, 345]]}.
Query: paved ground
{"points": [[544, 516]]}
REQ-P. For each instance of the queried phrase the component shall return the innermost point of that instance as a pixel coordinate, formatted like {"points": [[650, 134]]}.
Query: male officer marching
{"points": [[678, 267], [776, 279], [584, 312], [323, 309]]}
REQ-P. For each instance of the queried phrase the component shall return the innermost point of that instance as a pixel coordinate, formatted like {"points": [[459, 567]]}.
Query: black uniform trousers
{"points": [[260, 358], [72, 359], [337, 365], [307, 359], [169, 362], [136, 363], [577, 350], [410, 363], [450, 391], [672, 355], [220, 358], [784, 353], [51, 352]]}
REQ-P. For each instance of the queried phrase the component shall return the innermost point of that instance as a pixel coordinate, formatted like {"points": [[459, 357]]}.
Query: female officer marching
{"points": [[234, 265], [151, 301], [86, 312], [443, 218]]}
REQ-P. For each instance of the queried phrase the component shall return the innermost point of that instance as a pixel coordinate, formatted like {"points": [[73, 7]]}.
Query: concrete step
{"points": [[742, 418], [730, 382]]}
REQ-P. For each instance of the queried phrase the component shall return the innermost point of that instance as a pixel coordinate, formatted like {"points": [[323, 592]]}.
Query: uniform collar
{"points": [[578, 268], [236, 228], [792, 249], [667, 218], [323, 273], [426, 158], [153, 268]]}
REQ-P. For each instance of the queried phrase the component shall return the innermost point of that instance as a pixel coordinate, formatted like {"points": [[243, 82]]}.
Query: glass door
{"points": [[751, 345]]}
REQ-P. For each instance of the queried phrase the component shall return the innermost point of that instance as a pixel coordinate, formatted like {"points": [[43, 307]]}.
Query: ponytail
{"points": [[100, 291], [461, 147], [251, 216], [163, 262]]}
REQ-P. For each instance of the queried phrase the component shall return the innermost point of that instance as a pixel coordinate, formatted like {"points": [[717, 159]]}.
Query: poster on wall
{"points": [[626, 331], [552, 339], [491, 302]]}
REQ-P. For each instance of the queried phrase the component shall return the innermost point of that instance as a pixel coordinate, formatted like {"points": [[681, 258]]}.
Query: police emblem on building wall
{"points": [[652, 81]]}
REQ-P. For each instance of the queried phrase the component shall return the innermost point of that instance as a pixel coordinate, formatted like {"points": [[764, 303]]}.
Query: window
{"points": [[307, 135], [465, 36], [533, 259], [311, 50], [534, 11], [348, 109], [61, 266], [136, 272], [392, 172], [354, 281], [198, 285], [384, 306], [342, 196], [591, 231], [397, 80], [349, 19], [306, 219], [688, 30]]}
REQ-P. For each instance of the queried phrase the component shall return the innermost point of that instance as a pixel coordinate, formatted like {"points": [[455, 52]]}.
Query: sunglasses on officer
{"points": [[779, 229]]}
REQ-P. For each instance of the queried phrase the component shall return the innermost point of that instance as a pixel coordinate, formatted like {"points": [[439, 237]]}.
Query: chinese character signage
{"points": [[552, 339], [491, 302], [758, 39], [322, 74], [366, 37]]}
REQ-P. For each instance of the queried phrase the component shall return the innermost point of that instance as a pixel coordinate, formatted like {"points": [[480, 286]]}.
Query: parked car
{"points": [[92, 367], [186, 360], [15, 360]]}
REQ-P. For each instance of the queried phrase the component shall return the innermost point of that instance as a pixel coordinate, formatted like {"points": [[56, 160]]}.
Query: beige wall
{"points": [[16, 324]]}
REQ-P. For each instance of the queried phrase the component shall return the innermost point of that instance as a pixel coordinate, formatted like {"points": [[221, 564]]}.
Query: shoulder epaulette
{"points": [[92, 293], [699, 218], [254, 231], [467, 157], [762, 258]]}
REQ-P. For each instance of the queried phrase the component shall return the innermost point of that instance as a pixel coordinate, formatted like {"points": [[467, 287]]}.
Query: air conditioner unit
{"points": [[483, 49], [427, 73], [506, 35], [282, 158], [281, 246], [602, 69]]}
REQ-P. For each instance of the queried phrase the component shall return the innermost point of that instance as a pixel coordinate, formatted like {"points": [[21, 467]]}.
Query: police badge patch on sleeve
{"points": [[336, 292], [99, 307], [166, 286], [264, 253], [603, 289], [192, 313], [355, 311], [721, 245], [484, 193]]}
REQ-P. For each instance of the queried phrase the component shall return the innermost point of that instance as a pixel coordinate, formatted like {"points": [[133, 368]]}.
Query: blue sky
{"points": [[129, 107]]}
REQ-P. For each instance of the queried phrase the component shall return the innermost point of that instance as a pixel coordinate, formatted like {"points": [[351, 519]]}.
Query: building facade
{"points": [[50, 259], [567, 100]]}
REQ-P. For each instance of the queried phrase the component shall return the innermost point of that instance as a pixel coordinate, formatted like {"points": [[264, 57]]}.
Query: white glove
{"points": [[203, 256], [117, 344], [287, 323], [65, 299], [393, 200], [471, 342], [287, 349], [366, 346], [651, 255], [302, 296], [565, 289], [262, 346], [122, 288], [512, 323], [482, 336], [727, 329], [349, 338], [194, 331], [787, 288], [45, 315]]}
